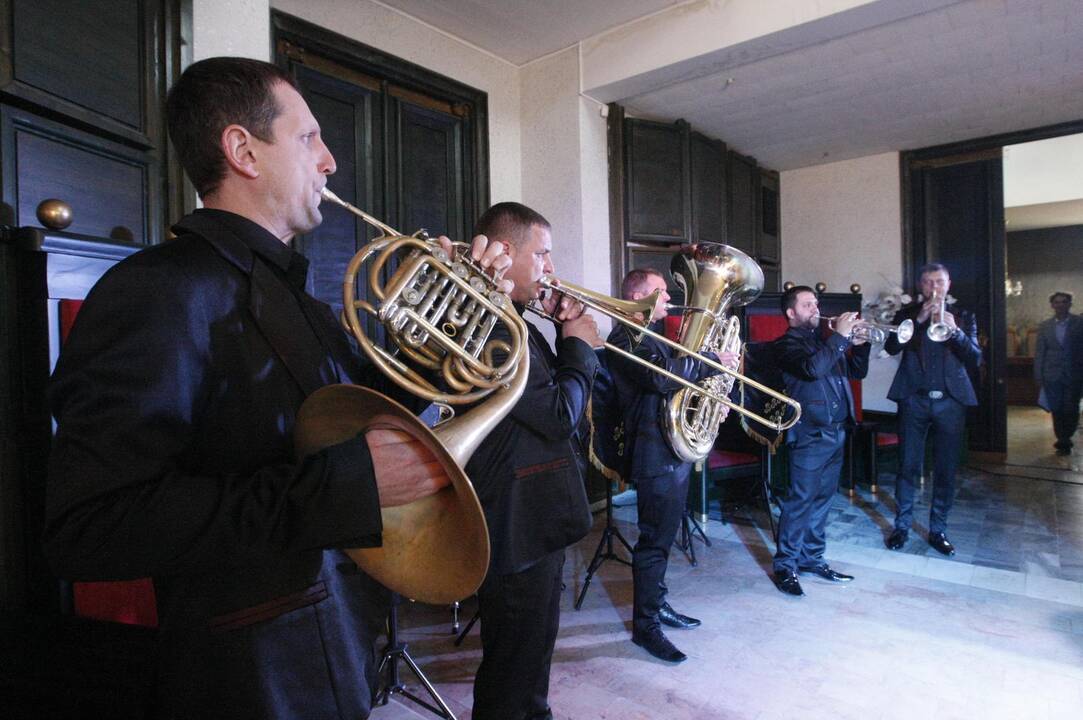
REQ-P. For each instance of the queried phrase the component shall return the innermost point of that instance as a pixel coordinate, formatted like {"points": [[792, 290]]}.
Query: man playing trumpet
{"points": [[933, 390], [817, 373]]}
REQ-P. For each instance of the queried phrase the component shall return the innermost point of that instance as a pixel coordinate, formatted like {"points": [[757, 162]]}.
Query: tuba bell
{"points": [[440, 313], [715, 278]]}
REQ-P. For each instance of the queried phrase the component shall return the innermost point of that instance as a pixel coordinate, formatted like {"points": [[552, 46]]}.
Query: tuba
{"points": [[715, 278], [440, 313]]}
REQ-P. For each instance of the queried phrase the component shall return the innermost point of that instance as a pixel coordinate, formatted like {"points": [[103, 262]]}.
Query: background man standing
{"points": [[933, 390], [1058, 367], [817, 373]]}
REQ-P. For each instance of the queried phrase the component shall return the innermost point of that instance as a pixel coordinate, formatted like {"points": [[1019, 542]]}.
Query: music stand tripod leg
{"points": [[604, 550], [392, 684]]}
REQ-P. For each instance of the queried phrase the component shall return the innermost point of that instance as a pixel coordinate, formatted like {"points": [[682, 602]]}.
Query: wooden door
{"points": [[956, 215]]}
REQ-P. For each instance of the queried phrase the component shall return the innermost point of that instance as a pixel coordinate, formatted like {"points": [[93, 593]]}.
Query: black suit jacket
{"points": [[526, 471], [963, 353], [175, 397], [644, 397], [816, 372]]}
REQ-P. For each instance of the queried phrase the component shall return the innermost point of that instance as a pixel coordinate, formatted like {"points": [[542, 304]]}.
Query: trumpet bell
{"points": [[435, 549], [905, 331]]}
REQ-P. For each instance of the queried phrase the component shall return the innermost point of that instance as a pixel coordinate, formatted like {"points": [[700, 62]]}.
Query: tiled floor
{"points": [[996, 632]]}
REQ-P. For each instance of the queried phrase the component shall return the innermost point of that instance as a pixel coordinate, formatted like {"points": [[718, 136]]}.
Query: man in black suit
{"points": [[527, 477], [817, 373], [175, 398], [933, 390], [660, 477], [1058, 368]]}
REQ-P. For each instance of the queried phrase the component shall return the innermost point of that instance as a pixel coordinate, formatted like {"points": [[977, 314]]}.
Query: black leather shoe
{"points": [[896, 540], [786, 581], [941, 544], [1064, 451], [657, 644], [671, 617], [827, 573]]}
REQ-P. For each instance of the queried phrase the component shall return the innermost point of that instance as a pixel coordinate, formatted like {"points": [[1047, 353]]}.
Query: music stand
{"points": [[390, 684], [605, 545]]}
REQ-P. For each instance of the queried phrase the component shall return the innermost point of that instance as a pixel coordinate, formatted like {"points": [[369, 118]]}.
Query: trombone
{"points": [[624, 312], [874, 332]]}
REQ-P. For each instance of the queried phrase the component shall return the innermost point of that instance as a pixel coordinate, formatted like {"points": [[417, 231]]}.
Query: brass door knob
{"points": [[54, 214]]}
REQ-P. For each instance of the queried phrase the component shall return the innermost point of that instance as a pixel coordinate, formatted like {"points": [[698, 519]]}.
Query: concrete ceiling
{"points": [[966, 70], [523, 30], [881, 76]]}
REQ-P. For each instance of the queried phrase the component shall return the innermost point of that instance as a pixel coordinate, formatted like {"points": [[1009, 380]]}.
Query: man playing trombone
{"points": [[817, 373], [527, 477], [933, 389], [660, 477]]}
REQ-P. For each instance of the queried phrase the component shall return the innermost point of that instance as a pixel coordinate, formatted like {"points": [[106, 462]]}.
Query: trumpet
{"points": [[938, 330], [874, 332], [636, 314], [439, 311]]}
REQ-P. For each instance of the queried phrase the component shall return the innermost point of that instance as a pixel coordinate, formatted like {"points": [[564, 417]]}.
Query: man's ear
{"points": [[238, 149], [790, 314]]}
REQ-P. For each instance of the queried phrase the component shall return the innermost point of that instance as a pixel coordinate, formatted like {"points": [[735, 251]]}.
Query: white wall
{"points": [[416, 42], [841, 224], [239, 28], [1044, 171]]}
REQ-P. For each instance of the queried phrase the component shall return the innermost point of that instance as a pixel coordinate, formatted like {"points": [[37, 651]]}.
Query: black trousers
{"points": [[1063, 398], [815, 464], [946, 418], [520, 616], [660, 501]]}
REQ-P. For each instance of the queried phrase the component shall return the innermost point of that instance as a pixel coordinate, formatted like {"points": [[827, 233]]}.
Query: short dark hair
{"points": [[509, 222], [931, 268], [789, 298], [211, 95], [1060, 293], [635, 280]]}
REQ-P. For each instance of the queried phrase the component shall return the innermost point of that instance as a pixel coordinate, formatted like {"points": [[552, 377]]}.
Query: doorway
{"points": [[1043, 199], [953, 212]]}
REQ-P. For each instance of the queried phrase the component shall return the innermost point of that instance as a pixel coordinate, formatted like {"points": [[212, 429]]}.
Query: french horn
{"points": [[440, 313]]}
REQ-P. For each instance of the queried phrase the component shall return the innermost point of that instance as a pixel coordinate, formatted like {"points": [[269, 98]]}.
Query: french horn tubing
{"points": [[439, 312]]}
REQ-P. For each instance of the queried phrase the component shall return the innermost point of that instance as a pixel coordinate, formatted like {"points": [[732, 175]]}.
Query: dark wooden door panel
{"points": [[768, 246], [102, 38], [959, 221], [107, 184], [708, 163], [348, 124], [658, 203], [430, 171], [744, 186]]}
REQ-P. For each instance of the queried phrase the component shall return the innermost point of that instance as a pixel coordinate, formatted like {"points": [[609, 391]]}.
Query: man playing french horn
{"points": [[527, 477], [660, 477], [176, 397]]}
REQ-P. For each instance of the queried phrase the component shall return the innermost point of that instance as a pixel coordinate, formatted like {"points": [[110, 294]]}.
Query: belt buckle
{"points": [[935, 394]]}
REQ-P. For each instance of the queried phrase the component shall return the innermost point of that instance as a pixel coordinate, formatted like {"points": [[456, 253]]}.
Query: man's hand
{"points": [[927, 309], [583, 327], [844, 325], [405, 469], [491, 256]]}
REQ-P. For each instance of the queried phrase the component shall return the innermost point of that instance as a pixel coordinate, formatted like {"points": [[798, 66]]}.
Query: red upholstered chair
{"points": [[131, 601]]}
